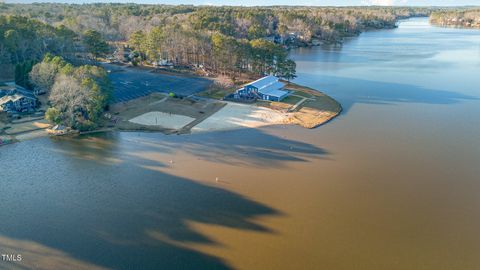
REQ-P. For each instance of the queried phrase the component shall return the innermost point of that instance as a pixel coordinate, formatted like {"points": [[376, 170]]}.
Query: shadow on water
{"points": [[352, 91], [98, 201], [243, 147]]}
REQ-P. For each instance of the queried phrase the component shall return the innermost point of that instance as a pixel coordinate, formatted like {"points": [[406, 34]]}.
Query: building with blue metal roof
{"points": [[266, 88]]}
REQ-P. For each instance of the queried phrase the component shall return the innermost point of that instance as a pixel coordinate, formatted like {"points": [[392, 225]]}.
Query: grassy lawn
{"points": [[322, 102], [317, 100], [216, 92], [303, 94], [291, 100]]}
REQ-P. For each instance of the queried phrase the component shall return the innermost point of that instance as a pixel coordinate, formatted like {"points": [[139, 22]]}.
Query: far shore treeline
{"points": [[461, 17], [56, 47], [223, 40]]}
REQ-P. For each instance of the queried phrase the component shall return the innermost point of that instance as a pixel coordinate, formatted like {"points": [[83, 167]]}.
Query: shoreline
{"points": [[316, 109], [455, 26]]}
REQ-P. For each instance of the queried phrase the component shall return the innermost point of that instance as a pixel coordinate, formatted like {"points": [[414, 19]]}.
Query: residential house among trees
{"points": [[15, 99], [266, 88]]}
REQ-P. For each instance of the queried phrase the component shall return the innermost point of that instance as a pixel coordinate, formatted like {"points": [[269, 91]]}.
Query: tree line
{"points": [[227, 40], [116, 22], [212, 51], [23, 39], [190, 35], [461, 17]]}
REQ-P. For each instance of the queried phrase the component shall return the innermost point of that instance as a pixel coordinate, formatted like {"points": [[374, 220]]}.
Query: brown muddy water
{"points": [[393, 183]]}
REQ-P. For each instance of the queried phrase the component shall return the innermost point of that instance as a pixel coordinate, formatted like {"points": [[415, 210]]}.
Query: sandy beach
{"points": [[235, 115], [25, 129]]}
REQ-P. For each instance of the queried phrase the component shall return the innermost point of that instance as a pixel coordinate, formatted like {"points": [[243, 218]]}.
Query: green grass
{"points": [[212, 94], [303, 94], [322, 103], [216, 92], [291, 100]]}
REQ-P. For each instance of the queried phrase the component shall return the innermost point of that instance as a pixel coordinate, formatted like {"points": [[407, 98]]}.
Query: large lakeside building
{"points": [[266, 88]]}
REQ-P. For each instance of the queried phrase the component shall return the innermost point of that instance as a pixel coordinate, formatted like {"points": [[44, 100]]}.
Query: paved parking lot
{"points": [[130, 83]]}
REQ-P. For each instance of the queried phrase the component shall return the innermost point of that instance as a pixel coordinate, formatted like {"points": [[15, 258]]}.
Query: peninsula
{"points": [[146, 106]]}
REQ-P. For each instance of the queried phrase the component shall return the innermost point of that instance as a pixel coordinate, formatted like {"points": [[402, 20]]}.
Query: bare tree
{"points": [[43, 76], [70, 97]]}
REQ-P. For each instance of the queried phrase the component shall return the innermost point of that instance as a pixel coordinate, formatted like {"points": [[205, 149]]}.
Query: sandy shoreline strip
{"points": [[160, 113], [235, 116]]}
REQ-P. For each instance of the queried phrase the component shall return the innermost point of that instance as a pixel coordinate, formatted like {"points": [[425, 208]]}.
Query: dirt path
{"points": [[294, 107]]}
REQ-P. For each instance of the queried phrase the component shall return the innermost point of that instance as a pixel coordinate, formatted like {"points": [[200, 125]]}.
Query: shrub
{"points": [[53, 115]]}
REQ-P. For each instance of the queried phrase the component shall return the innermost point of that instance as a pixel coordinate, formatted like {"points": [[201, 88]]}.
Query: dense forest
{"points": [[26, 40], [233, 40], [458, 18], [219, 40], [119, 21]]}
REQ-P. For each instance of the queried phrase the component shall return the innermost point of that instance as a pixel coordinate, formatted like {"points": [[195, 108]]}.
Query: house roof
{"points": [[24, 92], [269, 85], [9, 98], [274, 91], [263, 82], [6, 87], [12, 98], [10, 88]]}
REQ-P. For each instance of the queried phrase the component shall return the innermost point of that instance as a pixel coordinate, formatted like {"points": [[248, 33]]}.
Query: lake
{"points": [[392, 183]]}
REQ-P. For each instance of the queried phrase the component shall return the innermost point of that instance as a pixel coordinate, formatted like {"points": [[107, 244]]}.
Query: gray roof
{"points": [[263, 82], [275, 92], [7, 87], [23, 91], [6, 99], [269, 85], [13, 98], [10, 88], [9, 98]]}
